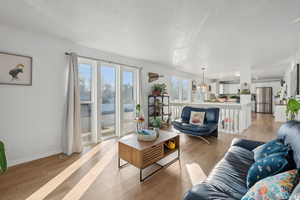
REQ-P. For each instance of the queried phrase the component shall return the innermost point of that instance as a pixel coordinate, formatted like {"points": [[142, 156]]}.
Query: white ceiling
{"points": [[223, 35]]}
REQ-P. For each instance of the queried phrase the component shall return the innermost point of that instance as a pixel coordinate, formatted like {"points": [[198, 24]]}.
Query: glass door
{"points": [[106, 101], [128, 100]]}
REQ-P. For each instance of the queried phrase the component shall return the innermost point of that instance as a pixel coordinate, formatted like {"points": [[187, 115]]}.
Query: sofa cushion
{"points": [[289, 132], [197, 118], [211, 114], [227, 180], [276, 187], [266, 167], [274, 146]]}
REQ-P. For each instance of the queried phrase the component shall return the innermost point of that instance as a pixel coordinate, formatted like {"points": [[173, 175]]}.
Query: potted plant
{"points": [[3, 163], [156, 123], [159, 89], [292, 109]]}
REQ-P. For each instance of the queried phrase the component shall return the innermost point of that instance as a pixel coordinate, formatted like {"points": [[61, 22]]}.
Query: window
{"points": [[85, 84], [175, 89], [180, 89], [185, 90], [108, 96]]}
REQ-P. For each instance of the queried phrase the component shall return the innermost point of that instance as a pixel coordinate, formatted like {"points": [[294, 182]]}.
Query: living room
{"points": [[139, 99]]}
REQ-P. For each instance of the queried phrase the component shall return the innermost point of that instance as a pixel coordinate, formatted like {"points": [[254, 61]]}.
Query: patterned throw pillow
{"points": [[278, 187], [274, 146], [266, 167], [197, 118]]}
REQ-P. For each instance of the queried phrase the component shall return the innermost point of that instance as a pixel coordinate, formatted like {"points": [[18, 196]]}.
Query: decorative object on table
{"points": [[159, 89], [292, 109], [171, 144], [156, 124], [139, 117], [234, 98], [158, 107], [15, 69], [266, 167], [197, 118], [153, 76], [146, 135], [203, 86], [275, 146], [3, 162], [276, 187]]}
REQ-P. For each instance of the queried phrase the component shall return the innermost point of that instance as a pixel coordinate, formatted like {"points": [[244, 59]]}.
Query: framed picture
{"points": [[15, 69]]}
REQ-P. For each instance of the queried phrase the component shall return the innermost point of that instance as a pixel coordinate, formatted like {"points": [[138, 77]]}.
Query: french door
{"points": [[128, 99], [109, 94]]}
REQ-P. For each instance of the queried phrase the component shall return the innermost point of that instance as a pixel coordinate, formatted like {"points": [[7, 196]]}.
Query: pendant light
{"points": [[203, 85]]}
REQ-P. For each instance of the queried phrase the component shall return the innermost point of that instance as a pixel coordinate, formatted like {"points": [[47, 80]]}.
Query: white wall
{"points": [[32, 117], [290, 78]]}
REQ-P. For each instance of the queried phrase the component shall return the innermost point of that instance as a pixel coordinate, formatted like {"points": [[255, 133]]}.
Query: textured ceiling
{"points": [[223, 35]]}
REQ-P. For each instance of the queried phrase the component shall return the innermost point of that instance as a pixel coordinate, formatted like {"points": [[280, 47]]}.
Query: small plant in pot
{"points": [[159, 89], [3, 163], [292, 109], [156, 123]]}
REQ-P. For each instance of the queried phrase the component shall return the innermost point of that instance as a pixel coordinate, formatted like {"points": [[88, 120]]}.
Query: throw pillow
{"points": [[197, 118], [274, 146], [266, 167], [296, 193], [278, 187]]}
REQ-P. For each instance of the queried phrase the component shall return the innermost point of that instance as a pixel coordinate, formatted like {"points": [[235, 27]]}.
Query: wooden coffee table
{"points": [[143, 154]]}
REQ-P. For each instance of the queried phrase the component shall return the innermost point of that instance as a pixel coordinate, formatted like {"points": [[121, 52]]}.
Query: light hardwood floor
{"points": [[96, 175]]}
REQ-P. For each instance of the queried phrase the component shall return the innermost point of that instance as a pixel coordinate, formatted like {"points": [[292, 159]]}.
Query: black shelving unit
{"points": [[158, 106]]}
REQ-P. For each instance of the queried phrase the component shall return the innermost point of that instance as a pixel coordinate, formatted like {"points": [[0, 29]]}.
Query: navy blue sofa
{"points": [[210, 126], [227, 181]]}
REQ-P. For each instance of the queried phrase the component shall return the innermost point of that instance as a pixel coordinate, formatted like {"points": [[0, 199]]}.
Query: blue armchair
{"points": [[209, 128]]}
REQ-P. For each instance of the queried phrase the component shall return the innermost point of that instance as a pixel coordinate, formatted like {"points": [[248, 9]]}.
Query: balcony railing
{"points": [[233, 118]]}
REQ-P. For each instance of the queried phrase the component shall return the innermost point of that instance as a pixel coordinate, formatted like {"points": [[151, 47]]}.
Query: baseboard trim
{"points": [[32, 158]]}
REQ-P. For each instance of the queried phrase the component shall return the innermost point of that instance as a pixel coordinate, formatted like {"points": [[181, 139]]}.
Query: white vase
{"points": [[156, 131]]}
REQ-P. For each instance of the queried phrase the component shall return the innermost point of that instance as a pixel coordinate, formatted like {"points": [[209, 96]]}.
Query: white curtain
{"points": [[73, 129]]}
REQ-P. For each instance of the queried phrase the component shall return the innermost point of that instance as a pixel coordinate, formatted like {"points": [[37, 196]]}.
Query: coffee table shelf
{"points": [[143, 154]]}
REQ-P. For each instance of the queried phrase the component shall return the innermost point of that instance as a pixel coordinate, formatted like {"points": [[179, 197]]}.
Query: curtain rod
{"points": [[103, 60]]}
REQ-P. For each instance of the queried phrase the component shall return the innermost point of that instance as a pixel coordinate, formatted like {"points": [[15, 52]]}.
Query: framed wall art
{"points": [[15, 69]]}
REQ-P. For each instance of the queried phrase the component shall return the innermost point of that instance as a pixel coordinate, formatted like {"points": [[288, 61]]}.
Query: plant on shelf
{"points": [[292, 109], [3, 163], [159, 89]]}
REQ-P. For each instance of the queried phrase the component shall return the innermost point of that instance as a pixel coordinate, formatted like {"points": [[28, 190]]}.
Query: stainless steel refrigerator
{"points": [[264, 97]]}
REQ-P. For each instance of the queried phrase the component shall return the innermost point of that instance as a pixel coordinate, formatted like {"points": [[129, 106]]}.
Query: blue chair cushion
{"points": [[272, 147], [266, 167], [195, 129]]}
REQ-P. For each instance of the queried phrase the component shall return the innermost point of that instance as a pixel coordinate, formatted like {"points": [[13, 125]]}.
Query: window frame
{"points": [[181, 80]]}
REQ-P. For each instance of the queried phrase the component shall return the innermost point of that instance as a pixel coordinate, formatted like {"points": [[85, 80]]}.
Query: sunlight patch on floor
{"points": [[196, 174], [83, 185], [46, 189]]}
